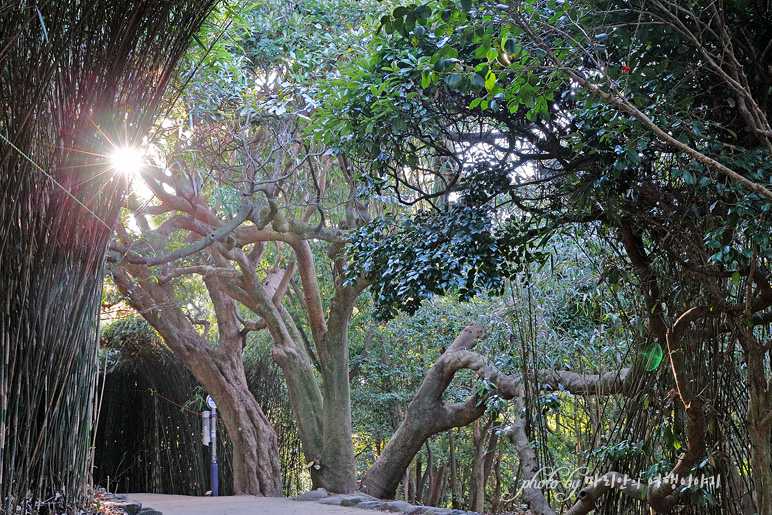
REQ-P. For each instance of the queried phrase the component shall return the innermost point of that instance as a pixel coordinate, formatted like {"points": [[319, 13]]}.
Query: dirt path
{"points": [[241, 505]]}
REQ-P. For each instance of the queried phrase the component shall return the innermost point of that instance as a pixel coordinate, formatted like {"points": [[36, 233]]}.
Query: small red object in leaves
{"points": [[625, 69]]}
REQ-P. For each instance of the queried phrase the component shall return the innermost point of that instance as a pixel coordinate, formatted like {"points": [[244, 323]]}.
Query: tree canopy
{"points": [[520, 236]]}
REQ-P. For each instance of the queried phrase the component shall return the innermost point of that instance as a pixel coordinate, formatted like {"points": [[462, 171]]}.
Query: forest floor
{"points": [[237, 505]]}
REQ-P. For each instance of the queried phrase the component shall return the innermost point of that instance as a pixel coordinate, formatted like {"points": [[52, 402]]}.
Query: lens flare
{"points": [[127, 160]]}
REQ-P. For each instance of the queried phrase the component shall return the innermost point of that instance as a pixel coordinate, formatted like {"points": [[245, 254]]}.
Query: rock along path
{"points": [[237, 505]]}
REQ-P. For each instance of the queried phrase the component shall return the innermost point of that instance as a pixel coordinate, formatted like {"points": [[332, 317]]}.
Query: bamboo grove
{"points": [[77, 79]]}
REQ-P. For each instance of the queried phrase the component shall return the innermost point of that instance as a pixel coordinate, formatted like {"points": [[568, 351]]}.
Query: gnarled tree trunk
{"points": [[426, 416], [256, 468]]}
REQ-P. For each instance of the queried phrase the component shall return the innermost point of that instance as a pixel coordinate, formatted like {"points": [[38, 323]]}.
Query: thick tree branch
{"points": [[244, 210], [204, 270], [311, 293]]}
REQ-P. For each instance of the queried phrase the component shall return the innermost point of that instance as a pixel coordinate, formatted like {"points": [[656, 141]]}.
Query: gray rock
{"points": [[458, 512], [395, 506], [332, 501], [130, 507], [369, 505], [354, 500], [417, 510], [149, 511], [313, 495]]}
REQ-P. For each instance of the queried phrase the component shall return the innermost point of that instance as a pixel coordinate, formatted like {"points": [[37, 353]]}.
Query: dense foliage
{"points": [[585, 183]]}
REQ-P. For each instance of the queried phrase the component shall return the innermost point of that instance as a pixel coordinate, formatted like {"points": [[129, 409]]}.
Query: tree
{"points": [[78, 79], [248, 227], [648, 120]]}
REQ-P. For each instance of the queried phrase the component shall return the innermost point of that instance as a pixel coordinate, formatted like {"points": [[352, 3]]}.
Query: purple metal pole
{"points": [[213, 469]]}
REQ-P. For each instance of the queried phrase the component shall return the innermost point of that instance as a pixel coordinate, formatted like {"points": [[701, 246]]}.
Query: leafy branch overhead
{"points": [[645, 122]]}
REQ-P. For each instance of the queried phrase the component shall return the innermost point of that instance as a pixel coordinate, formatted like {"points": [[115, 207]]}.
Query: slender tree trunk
{"points": [[426, 479], [492, 451], [419, 478], [759, 434], [477, 477], [444, 487], [496, 497], [406, 485], [410, 485], [453, 470], [435, 486]]}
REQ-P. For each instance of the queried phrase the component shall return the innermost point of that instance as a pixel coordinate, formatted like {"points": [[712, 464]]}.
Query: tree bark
{"points": [[435, 485], [255, 445], [410, 485], [477, 477], [759, 426], [426, 415], [453, 470], [496, 497], [492, 450], [256, 468]]}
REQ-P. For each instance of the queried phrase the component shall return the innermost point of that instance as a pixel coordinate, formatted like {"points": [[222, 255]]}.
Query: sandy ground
{"points": [[240, 505]]}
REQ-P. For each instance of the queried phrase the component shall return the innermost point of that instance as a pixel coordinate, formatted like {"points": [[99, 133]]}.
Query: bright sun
{"points": [[127, 160]]}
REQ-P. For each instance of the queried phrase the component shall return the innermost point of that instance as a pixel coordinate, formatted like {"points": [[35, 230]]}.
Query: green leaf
{"points": [[199, 42], [490, 81], [426, 79], [453, 80], [423, 11], [510, 46]]}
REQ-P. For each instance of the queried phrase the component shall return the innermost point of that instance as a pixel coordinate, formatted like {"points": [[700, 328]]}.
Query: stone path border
{"points": [[121, 503], [368, 502]]}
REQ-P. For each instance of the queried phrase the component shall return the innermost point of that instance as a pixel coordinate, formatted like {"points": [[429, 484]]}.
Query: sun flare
{"points": [[127, 160]]}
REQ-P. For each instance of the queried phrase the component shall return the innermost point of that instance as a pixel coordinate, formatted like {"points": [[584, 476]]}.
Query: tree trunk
{"points": [[256, 468], [410, 485], [435, 486], [338, 467], [444, 487], [426, 415], [492, 451], [759, 434], [255, 446], [477, 477], [305, 398], [453, 470], [496, 497], [427, 475]]}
